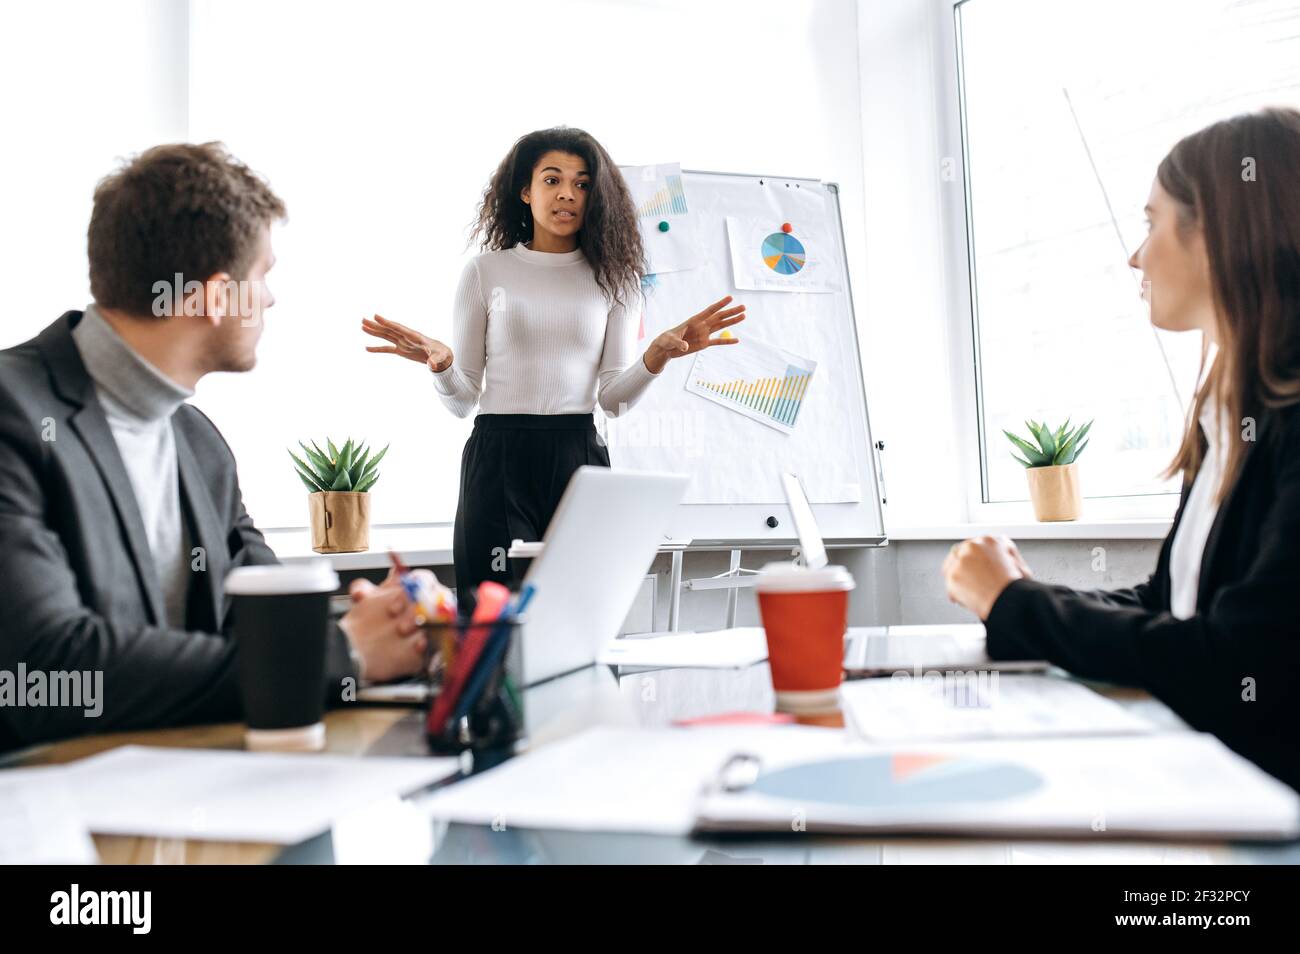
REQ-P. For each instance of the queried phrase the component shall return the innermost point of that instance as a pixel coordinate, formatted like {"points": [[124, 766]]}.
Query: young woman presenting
{"points": [[1215, 632], [544, 328]]}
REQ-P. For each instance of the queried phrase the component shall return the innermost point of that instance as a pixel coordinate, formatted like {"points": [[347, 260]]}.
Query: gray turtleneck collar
{"points": [[131, 382]]}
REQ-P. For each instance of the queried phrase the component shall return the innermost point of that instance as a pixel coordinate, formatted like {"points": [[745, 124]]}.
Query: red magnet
{"points": [[787, 228]]}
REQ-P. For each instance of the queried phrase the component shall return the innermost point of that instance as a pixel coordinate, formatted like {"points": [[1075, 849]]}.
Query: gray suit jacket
{"points": [[78, 589]]}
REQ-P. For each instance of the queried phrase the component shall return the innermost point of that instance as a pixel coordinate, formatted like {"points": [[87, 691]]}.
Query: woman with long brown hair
{"points": [[544, 328], [1215, 631]]}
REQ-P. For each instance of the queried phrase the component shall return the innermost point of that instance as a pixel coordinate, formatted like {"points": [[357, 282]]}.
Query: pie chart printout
{"points": [[902, 778], [783, 253]]}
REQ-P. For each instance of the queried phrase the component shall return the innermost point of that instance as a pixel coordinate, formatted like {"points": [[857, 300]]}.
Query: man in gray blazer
{"points": [[120, 508]]}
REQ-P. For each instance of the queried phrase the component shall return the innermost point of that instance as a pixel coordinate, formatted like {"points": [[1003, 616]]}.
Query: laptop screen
{"points": [[805, 524]]}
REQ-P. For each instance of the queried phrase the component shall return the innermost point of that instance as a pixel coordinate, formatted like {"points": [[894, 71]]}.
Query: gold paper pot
{"points": [[1055, 492], [340, 521]]}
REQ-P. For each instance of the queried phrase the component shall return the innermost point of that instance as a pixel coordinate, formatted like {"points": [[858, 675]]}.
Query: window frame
{"points": [[963, 303]]}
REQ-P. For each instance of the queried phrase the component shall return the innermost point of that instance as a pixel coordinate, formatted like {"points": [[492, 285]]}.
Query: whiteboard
{"points": [[734, 453]]}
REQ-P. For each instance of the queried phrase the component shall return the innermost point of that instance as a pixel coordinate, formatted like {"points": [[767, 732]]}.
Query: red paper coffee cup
{"points": [[805, 614]]}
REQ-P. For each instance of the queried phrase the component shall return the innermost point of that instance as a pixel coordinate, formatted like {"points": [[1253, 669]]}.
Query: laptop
{"points": [[597, 550], [883, 650]]}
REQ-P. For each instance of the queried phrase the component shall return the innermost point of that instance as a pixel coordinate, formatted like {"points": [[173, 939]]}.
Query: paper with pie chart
{"points": [[755, 379], [664, 217], [776, 254]]}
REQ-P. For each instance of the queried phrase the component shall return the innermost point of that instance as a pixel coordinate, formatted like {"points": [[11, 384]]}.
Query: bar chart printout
{"points": [[755, 379], [668, 228], [668, 199]]}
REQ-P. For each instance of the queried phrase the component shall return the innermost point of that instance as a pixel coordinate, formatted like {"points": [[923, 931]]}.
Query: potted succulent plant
{"points": [[339, 502], [1049, 464]]}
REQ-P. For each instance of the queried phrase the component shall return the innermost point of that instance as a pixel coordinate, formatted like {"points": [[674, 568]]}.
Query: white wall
{"points": [[380, 123], [901, 583], [1083, 564], [84, 83], [917, 372]]}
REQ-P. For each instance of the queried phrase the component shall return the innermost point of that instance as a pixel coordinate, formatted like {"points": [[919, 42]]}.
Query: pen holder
{"points": [[474, 705]]}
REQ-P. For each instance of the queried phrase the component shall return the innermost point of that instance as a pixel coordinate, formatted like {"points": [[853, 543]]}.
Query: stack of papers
{"points": [[609, 779], [1181, 785], [39, 822], [225, 795], [718, 649], [670, 781], [983, 705]]}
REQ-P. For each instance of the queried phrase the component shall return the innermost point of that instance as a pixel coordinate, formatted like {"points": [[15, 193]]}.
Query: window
{"points": [[1066, 111]]}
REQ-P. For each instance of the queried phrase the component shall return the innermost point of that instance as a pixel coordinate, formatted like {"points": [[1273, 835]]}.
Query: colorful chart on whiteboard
{"points": [[664, 216], [758, 380], [777, 255]]}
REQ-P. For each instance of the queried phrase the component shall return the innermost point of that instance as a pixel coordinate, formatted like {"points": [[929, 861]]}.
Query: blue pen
{"points": [[492, 654], [408, 582], [521, 601]]}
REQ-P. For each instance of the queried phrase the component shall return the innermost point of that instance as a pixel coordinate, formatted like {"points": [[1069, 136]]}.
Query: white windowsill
{"points": [[418, 546], [1150, 529], [431, 545]]}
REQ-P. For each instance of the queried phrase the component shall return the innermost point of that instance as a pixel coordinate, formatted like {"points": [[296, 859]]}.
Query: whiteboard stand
{"points": [[676, 548], [734, 580]]}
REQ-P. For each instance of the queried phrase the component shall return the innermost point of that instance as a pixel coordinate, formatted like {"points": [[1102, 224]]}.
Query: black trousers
{"points": [[513, 472]]}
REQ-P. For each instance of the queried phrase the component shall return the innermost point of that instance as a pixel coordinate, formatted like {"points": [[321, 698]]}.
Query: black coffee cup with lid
{"points": [[280, 623]]}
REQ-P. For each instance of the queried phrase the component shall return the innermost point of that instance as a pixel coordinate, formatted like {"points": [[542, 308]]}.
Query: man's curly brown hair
{"points": [[609, 237], [183, 208]]}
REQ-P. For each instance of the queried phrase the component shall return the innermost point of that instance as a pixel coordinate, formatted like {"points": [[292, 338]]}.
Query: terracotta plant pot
{"points": [[1055, 492], [340, 521]]}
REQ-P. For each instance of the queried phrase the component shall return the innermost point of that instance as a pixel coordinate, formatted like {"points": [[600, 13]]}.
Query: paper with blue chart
{"points": [[755, 379], [787, 398], [1175, 784], [792, 252], [668, 229]]}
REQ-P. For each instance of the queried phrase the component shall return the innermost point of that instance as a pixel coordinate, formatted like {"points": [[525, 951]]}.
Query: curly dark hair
{"points": [[609, 236]]}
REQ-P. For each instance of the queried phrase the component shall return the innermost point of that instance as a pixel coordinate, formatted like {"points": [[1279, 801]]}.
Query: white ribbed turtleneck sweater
{"points": [[532, 334]]}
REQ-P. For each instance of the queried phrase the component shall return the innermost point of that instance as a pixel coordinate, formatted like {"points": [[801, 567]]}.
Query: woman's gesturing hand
{"points": [[407, 342], [694, 334]]}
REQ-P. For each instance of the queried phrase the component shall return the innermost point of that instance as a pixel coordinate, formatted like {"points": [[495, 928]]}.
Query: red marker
{"points": [[787, 228], [737, 718], [492, 599]]}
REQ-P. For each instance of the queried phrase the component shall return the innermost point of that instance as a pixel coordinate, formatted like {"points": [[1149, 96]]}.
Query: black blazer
{"points": [[1232, 669], [78, 586]]}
